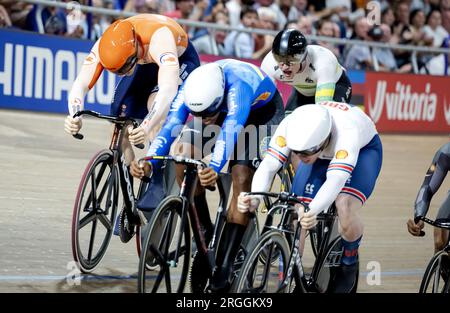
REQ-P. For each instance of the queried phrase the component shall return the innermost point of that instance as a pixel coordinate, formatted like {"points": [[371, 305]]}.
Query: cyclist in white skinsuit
{"points": [[343, 146], [313, 71]]}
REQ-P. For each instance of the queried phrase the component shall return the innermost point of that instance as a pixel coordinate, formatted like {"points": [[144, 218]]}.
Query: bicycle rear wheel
{"points": [[94, 211], [436, 278], [158, 250], [258, 276]]}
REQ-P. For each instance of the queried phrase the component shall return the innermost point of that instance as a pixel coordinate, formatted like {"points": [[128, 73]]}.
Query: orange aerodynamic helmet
{"points": [[118, 47]]}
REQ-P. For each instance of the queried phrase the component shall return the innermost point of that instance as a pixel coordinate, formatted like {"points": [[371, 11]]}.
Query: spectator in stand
{"points": [[384, 57], [360, 29], [388, 17], [439, 65], [234, 8], [445, 12], [54, 21], [100, 22], [417, 22], [293, 24], [359, 57], [240, 44], [302, 7], [263, 43], [402, 33], [434, 28], [77, 26], [328, 28], [183, 9], [334, 9], [21, 14], [213, 41], [5, 21], [305, 25], [285, 11]]}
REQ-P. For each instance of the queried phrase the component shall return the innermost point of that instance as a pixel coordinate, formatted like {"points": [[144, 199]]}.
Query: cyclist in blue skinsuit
{"points": [[236, 108]]}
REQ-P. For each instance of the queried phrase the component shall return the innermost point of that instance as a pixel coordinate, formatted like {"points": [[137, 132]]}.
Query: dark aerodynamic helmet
{"points": [[289, 46]]}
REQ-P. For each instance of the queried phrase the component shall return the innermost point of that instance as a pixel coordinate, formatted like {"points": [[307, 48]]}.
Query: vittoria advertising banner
{"points": [[408, 103]]}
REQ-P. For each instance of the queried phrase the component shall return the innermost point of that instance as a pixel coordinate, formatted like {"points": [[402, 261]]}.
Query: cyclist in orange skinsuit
{"points": [[153, 54]]}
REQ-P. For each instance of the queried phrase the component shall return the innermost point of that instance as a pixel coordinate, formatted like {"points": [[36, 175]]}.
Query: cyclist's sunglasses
{"points": [[312, 150], [290, 60], [130, 62]]}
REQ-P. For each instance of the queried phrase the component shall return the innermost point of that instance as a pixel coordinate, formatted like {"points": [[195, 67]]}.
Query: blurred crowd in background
{"points": [[412, 22]]}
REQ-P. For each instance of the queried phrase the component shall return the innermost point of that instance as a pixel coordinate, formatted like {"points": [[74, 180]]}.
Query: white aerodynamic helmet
{"points": [[308, 129], [204, 90]]}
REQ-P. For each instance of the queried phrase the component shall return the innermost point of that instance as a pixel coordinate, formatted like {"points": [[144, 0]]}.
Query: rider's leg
{"points": [[351, 231], [234, 228], [441, 235], [440, 238]]}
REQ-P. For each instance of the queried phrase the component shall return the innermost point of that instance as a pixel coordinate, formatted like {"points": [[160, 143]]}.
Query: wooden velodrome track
{"points": [[41, 168]]}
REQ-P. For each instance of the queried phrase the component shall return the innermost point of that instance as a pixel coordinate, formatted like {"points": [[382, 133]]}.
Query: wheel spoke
{"points": [[165, 232], [159, 277], [87, 219], [181, 251], [91, 241], [99, 177], [267, 266], [105, 221], [167, 280], [169, 231], [93, 191], [107, 186]]}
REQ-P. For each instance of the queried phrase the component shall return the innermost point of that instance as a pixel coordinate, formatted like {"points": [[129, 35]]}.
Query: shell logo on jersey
{"points": [[341, 154], [262, 97], [280, 141], [168, 58], [90, 59]]}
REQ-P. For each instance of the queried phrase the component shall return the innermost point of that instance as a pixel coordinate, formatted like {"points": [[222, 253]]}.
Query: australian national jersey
{"points": [[351, 130], [318, 78], [246, 88]]}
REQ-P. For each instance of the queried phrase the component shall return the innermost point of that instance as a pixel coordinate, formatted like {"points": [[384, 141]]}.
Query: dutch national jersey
{"points": [[246, 88], [351, 130], [318, 78]]}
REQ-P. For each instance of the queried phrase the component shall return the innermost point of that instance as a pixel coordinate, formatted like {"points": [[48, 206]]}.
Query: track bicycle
{"points": [[436, 278], [280, 243], [105, 185]]}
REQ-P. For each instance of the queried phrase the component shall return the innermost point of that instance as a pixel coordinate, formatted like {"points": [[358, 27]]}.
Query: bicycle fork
{"points": [[294, 264]]}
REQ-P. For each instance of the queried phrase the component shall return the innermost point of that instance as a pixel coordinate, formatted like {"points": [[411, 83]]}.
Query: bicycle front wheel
{"points": [[94, 211], [259, 276], [160, 270], [437, 275]]}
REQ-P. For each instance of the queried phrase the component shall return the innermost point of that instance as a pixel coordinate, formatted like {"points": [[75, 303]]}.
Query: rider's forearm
{"points": [[329, 191], [76, 97], [87, 77], [264, 175], [433, 179], [168, 87]]}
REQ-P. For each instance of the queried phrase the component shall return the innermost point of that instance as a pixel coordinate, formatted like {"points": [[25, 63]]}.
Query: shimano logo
{"points": [[40, 73]]}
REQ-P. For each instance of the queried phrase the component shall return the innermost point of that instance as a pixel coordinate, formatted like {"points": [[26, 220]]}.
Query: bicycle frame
{"points": [[186, 194], [125, 181], [309, 283], [285, 203]]}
